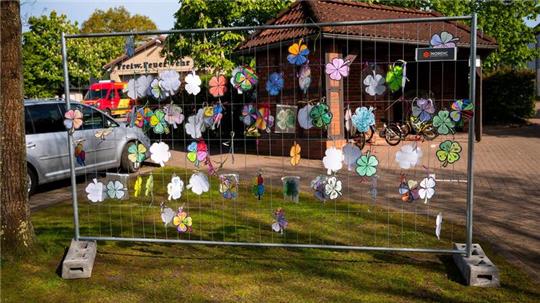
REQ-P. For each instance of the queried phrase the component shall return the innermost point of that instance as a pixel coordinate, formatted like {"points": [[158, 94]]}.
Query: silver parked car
{"points": [[105, 142]]}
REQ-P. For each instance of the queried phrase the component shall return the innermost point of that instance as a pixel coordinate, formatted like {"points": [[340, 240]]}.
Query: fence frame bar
{"points": [[470, 161]]}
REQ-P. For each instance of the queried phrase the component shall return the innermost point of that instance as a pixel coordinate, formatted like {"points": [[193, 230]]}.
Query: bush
{"points": [[509, 96]]}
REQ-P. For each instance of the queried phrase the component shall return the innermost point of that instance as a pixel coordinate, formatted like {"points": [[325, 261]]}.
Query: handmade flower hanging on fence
{"points": [[73, 120], [137, 187], [280, 223], [198, 183], [169, 82], [423, 109], [333, 188], [427, 188], [438, 225], [367, 165], [295, 154], [333, 160], [149, 186], [396, 77], [286, 118], [197, 152], [167, 214], [298, 53], [158, 122], [195, 126], [175, 188], [337, 68], [116, 190], [462, 108], [244, 78], [228, 185], [291, 188], [94, 191], [363, 118], [258, 187], [137, 153], [218, 86], [193, 83], [375, 84], [318, 185], [408, 156], [448, 152], [304, 118], [443, 123], [274, 84], [320, 115], [160, 153], [408, 189], [443, 40], [182, 221], [80, 154], [173, 115], [304, 77], [351, 153], [138, 87]]}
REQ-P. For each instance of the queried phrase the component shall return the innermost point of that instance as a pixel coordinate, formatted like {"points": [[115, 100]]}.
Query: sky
{"points": [[160, 11]]}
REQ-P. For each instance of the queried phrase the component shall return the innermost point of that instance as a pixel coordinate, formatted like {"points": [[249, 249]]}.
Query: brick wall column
{"points": [[334, 99]]}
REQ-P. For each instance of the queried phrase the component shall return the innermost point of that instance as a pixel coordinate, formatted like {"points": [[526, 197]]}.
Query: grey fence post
{"points": [[71, 152], [470, 147]]}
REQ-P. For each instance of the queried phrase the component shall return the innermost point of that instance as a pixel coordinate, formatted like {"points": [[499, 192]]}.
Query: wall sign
{"points": [[428, 54]]}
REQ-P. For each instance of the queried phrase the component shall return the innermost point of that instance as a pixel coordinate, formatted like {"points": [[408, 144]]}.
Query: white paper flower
{"points": [[408, 156], [333, 159], [333, 188], [195, 126], [160, 153], [138, 88], [170, 82], [167, 214], [304, 119], [351, 153], [198, 183], [374, 84], [115, 190], [427, 188], [438, 226], [155, 89], [94, 191], [175, 188], [193, 83], [235, 71]]}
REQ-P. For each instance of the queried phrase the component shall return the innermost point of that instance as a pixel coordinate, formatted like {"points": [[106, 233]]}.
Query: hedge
{"points": [[509, 96]]}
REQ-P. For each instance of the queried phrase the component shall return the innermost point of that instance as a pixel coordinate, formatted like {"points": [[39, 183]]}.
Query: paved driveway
{"points": [[507, 187]]}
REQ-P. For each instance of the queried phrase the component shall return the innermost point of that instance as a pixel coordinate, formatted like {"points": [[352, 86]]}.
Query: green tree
{"points": [[215, 49], [501, 19], [42, 56], [117, 19]]}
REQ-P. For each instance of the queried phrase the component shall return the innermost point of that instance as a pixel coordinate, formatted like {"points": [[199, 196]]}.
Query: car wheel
{"points": [[32, 181], [125, 164]]}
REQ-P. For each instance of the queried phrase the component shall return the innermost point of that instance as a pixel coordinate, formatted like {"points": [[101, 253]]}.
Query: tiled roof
{"points": [[137, 50], [335, 11]]}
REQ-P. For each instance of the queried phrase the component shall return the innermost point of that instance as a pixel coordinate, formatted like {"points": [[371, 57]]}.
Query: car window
{"points": [[95, 94], [123, 94], [28, 126], [112, 96], [46, 118]]}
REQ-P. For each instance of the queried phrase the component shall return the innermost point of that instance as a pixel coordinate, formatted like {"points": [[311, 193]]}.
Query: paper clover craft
{"points": [[195, 126], [94, 191], [175, 188], [160, 153], [198, 183], [169, 82], [374, 84], [193, 83], [408, 156], [333, 160], [351, 153], [167, 214], [116, 190], [304, 119]]}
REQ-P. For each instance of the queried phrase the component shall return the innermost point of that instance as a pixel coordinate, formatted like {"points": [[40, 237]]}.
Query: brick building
{"points": [[375, 47]]}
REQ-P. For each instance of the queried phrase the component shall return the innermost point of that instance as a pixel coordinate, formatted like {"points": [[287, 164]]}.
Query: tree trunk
{"points": [[17, 233]]}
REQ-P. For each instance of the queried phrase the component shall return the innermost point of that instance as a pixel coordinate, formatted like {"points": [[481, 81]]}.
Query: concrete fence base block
{"points": [[478, 270], [79, 260]]}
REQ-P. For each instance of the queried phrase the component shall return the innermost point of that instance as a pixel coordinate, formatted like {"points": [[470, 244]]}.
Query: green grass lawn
{"points": [[144, 272]]}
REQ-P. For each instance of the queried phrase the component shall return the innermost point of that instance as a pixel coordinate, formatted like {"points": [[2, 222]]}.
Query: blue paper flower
{"points": [[274, 84], [363, 118]]}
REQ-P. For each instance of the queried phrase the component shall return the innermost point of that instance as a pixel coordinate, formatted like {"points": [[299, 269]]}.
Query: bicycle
{"points": [[394, 132]]}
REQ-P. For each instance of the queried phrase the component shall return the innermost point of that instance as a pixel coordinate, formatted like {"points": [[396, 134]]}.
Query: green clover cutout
{"points": [[443, 122], [137, 153], [367, 165], [320, 115], [394, 77], [158, 122], [286, 119], [448, 152]]}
